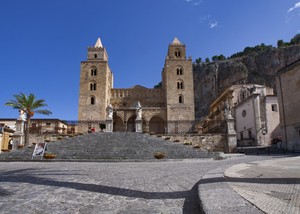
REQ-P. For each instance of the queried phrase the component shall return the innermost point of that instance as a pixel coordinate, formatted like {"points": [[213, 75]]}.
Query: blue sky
{"points": [[43, 42]]}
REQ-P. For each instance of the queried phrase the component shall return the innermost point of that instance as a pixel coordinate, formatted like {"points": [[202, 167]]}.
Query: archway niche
{"points": [[131, 123], [157, 125], [118, 124]]}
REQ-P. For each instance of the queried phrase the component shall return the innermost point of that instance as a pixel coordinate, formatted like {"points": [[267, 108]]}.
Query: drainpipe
{"points": [[283, 112]]}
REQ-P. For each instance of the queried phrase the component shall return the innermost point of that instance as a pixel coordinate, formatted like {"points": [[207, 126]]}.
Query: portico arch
{"points": [[118, 124], [157, 125], [131, 124]]}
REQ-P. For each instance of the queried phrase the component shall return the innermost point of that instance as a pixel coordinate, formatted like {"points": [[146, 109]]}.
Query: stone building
{"points": [[169, 109], [254, 109], [288, 87], [41, 126], [257, 116]]}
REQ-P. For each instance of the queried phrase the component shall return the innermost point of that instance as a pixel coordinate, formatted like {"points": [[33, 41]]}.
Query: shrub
{"points": [[159, 155], [187, 143], [102, 126]]}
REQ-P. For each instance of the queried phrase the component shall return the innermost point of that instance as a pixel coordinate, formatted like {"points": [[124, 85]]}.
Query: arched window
{"points": [[93, 86], [179, 71], [180, 98], [95, 55], [179, 84], [93, 100], [177, 53], [94, 72]]}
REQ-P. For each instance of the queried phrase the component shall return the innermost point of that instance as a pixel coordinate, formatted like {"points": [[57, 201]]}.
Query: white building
{"points": [[256, 115]]}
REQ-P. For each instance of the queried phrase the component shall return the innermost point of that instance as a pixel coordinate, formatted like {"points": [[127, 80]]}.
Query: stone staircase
{"points": [[112, 146]]}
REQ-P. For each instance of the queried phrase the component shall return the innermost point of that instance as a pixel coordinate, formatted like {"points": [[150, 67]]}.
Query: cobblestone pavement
{"points": [[99, 187], [273, 185]]}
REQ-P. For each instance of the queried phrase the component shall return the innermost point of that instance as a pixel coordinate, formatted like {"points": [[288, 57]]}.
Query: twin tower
{"points": [[169, 109]]}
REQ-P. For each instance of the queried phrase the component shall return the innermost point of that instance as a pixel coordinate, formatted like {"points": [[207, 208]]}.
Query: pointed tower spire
{"points": [[176, 41], [98, 43]]}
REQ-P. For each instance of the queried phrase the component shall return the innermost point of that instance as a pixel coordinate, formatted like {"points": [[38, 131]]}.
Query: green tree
{"points": [[295, 40], [280, 43], [214, 58], [159, 85], [30, 105], [199, 60], [207, 59], [221, 57]]}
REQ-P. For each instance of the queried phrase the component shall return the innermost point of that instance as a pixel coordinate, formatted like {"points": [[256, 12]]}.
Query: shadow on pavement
{"points": [[191, 203]]}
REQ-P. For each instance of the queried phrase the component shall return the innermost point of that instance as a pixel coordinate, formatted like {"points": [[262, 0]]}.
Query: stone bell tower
{"points": [[96, 81], [178, 85]]}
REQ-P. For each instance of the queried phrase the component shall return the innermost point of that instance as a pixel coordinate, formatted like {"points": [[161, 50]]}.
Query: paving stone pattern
{"points": [[273, 185], [153, 187], [113, 146]]}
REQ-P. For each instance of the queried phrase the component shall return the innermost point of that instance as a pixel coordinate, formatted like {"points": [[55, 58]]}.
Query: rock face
{"points": [[211, 79]]}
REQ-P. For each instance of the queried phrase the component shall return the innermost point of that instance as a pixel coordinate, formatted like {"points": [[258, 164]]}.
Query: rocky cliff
{"points": [[211, 79]]}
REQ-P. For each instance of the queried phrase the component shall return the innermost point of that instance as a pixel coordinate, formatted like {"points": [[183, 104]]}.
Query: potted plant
{"points": [[102, 126], [49, 155]]}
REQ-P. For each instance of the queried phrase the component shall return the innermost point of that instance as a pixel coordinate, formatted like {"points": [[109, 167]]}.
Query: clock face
{"points": [[244, 113]]}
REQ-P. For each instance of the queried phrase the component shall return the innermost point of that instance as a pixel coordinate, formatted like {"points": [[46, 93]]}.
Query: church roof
{"points": [[176, 41], [98, 43]]}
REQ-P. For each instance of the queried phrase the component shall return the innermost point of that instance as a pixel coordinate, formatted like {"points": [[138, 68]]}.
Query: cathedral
{"points": [[169, 109]]}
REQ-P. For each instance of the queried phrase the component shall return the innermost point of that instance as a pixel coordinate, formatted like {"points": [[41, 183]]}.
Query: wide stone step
{"points": [[99, 146]]}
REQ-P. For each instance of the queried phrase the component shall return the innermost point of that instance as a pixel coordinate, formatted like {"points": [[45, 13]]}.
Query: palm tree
{"points": [[30, 105]]}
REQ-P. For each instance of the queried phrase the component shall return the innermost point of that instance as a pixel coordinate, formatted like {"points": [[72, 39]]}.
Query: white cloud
{"points": [[213, 24], [297, 5], [204, 18], [194, 2]]}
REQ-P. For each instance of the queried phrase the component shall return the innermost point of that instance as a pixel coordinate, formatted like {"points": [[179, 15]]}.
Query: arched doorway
{"points": [[131, 124], [118, 124], [157, 125]]}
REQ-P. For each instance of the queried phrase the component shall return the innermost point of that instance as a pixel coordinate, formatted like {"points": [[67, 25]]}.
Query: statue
{"points": [[227, 110], [138, 111], [109, 112], [23, 115]]}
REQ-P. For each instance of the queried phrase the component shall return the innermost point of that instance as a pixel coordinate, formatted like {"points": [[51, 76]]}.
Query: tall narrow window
{"points": [[93, 72], [274, 107], [180, 98], [177, 53], [180, 84], [179, 71], [93, 100], [250, 134], [93, 86], [95, 55]]}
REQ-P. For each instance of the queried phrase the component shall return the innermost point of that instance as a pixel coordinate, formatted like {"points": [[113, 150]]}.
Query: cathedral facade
{"points": [[169, 109]]}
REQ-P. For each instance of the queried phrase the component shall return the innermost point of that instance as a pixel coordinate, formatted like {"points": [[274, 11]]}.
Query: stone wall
{"points": [[209, 142], [129, 97]]}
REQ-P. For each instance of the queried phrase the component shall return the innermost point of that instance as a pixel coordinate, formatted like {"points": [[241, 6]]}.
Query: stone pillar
{"points": [[18, 136], [109, 125], [231, 135], [138, 125], [1, 142]]}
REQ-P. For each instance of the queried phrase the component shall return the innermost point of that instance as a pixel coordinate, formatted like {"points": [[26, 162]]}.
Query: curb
{"points": [[216, 196]]}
